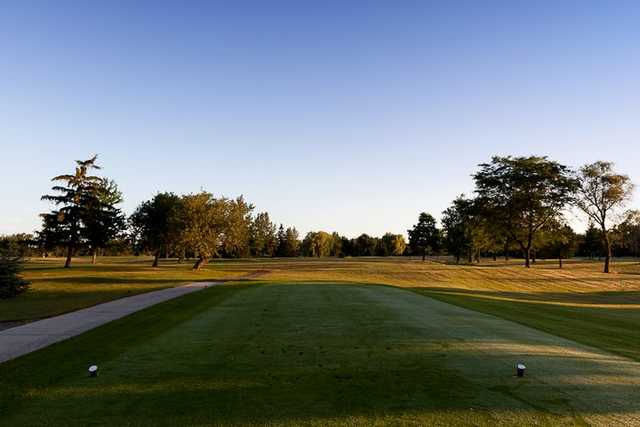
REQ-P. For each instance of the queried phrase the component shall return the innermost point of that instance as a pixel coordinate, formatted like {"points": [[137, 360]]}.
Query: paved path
{"points": [[15, 342]]}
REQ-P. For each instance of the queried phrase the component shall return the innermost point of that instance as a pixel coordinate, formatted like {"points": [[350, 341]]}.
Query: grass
{"points": [[330, 341], [311, 354], [57, 290]]}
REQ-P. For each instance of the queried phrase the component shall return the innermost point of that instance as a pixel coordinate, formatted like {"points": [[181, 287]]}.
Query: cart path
{"points": [[21, 340]]}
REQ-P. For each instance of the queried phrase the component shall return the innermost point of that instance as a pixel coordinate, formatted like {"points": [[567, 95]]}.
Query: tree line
{"points": [[518, 208], [521, 203]]}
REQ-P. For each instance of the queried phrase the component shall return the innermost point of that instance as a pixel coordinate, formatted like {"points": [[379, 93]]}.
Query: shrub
{"points": [[11, 282]]}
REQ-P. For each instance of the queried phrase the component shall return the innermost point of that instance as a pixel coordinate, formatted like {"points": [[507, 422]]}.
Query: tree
{"points": [[236, 224], [317, 244], [203, 225], [560, 240], [11, 281], [336, 245], [424, 237], [591, 244], [456, 228], [157, 224], [629, 234], [17, 245], [78, 191], [292, 246], [602, 195], [393, 244], [365, 245], [281, 238], [103, 221], [522, 194], [263, 240]]}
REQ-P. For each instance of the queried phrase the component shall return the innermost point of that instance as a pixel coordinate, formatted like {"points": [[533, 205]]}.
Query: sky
{"points": [[332, 115]]}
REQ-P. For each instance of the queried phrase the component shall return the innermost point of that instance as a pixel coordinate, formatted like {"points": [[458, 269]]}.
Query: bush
{"points": [[11, 282]]}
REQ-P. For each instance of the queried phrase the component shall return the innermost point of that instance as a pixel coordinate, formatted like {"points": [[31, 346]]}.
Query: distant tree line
{"points": [[518, 209], [323, 244]]}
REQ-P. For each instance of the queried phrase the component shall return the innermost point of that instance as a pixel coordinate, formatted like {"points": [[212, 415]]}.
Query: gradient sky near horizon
{"points": [[335, 115]]}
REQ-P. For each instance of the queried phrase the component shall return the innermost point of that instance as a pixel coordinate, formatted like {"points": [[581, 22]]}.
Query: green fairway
{"points": [[317, 354]]}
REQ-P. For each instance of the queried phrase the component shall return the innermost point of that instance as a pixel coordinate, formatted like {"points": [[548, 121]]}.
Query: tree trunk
{"points": [[607, 259], [495, 257], [526, 252], [156, 257], [457, 259], [200, 262], [94, 255], [560, 261], [67, 263], [424, 254], [533, 256]]}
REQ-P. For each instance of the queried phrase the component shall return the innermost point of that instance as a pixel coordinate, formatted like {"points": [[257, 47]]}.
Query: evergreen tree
{"points": [[281, 249], [263, 241], [292, 248], [75, 195], [11, 281]]}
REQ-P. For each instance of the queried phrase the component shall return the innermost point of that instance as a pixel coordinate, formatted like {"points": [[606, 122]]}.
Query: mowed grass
{"points": [[283, 353], [57, 290], [578, 302]]}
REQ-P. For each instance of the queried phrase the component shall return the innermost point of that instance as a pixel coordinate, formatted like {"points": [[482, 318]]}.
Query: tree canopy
{"points": [[523, 194]]}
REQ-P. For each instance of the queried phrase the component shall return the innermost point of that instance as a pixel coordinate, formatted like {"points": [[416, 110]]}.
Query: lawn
{"points": [[316, 354], [57, 290], [335, 341]]}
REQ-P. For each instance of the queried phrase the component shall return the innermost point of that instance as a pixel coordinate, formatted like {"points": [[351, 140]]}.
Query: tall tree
{"points": [[281, 237], [317, 244], [336, 245], [203, 225], [602, 195], [263, 240], [157, 224], [456, 223], [103, 221], [424, 237], [236, 223], [75, 194], [522, 194], [393, 244], [292, 247]]}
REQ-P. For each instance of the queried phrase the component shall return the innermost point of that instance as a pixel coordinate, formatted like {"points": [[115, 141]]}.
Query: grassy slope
{"points": [[304, 354]]}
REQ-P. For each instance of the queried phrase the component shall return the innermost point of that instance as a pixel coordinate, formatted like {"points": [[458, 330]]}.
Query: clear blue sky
{"points": [[336, 115]]}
